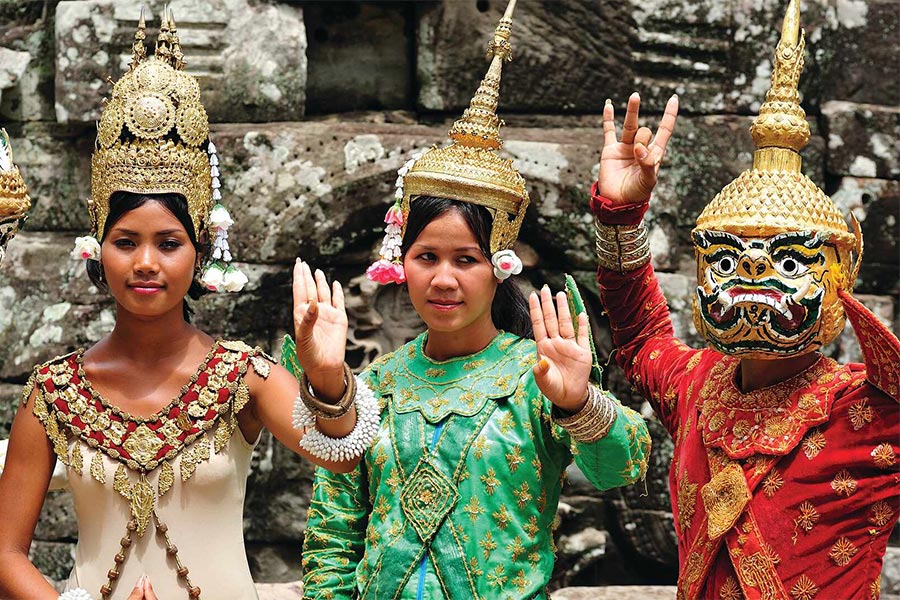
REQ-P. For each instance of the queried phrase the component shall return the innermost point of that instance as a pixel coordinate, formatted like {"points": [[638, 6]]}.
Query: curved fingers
{"points": [[667, 124], [630, 127], [549, 312], [566, 327], [323, 290], [537, 318], [609, 124]]}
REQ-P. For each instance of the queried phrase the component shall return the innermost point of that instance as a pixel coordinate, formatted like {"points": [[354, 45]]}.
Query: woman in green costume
{"points": [[457, 496]]}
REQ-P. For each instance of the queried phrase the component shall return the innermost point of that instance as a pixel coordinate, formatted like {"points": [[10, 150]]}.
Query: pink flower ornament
{"points": [[383, 272]]}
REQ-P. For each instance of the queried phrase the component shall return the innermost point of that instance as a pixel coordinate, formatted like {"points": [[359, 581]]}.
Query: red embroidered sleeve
{"points": [[646, 347]]}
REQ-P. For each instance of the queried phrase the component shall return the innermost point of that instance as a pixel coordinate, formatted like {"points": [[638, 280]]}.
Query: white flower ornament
{"points": [[86, 248], [506, 263]]}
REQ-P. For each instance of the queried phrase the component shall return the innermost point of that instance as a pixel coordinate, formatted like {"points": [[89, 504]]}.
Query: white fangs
{"points": [[797, 296]]}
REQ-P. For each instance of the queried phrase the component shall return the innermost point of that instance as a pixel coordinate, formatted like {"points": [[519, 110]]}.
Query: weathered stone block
{"points": [[359, 56], [863, 139], [27, 28], [53, 559], [876, 204], [55, 162], [250, 57], [566, 54]]}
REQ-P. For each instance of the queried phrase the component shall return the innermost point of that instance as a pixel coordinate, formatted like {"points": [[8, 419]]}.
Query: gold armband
{"points": [[622, 248]]}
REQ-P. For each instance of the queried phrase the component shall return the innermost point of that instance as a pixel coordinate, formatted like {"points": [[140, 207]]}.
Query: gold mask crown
{"points": [[152, 133], [775, 196], [469, 169], [14, 200]]}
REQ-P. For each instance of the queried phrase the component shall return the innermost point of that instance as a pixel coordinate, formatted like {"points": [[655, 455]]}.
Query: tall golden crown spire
{"points": [[469, 169], [138, 50], [775, 196], [781, 130], [479, 126]]}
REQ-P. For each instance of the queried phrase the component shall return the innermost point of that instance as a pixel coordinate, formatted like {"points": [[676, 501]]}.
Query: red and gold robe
{"points": [[790, 491]]}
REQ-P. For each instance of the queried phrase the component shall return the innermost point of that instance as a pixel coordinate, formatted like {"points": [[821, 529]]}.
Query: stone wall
{"points": [[316, 105]]}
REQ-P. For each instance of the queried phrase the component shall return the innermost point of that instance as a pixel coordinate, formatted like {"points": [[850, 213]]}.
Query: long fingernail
{"points": [[140, 582], [608, 102], [297, 261], [636, 95], [544, 364], [675, 96]]}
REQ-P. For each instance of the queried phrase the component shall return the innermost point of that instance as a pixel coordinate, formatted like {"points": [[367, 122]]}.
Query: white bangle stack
{"points": [[76, 594], [352, 445]]}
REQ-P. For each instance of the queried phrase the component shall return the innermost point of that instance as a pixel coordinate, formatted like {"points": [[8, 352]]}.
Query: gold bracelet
{"points": [[622, 248], [594, 420], [325, 410]]}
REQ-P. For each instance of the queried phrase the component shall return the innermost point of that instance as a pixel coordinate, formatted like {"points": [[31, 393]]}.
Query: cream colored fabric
{"points": [[205, 520]]}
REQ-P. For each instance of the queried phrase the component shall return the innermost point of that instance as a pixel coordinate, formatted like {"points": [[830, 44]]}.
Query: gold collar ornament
{"points": [[14, 201], [772, 249], [153, 138], [468, 170]]}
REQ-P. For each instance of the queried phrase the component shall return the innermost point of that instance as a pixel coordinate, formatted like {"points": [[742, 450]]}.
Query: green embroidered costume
{"points": [[457, 496]]}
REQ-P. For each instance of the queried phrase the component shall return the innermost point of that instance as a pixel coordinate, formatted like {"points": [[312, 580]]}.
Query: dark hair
{"points": [[123, 202], [509, 310]]}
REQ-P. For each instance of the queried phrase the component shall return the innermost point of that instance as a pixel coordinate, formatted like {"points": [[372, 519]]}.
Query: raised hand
{"points": [[628, 168], [320, 326], [564, 361]]}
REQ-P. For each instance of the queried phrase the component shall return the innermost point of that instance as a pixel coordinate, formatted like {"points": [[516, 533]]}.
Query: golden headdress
{"points": [[152, 135], [14, 200], [469, 169], [774, 196]]}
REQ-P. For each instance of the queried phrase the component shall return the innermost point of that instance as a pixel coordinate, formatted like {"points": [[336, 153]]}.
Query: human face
{"points": [[149, 261], [451, 283], [768, 297]]}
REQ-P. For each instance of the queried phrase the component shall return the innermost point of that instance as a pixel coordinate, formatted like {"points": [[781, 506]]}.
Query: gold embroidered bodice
{"points": [[153, 452]]}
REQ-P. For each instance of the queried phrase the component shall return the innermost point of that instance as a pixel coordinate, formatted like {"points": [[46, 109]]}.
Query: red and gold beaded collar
{"points": [[771, 420]]}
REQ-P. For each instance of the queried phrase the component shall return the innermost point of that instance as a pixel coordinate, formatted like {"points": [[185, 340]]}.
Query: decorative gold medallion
{"points": [[725, 497], [150, 116], [142, 500], [143, 445]]}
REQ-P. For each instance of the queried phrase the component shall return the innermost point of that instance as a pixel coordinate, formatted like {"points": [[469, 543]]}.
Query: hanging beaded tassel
{"points": [[220, 275], [389, 266]]}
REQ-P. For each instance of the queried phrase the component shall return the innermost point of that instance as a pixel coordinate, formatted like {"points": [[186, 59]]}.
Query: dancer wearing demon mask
{"points": [[785, 470]]}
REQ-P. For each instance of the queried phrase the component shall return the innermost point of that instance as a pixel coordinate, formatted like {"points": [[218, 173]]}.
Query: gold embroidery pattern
{"points": [[725, 497], [883, 456], [843, 484], [861, 414], [880, 514], [487, 544], [767, 421], [730, 590], [842, 551], [813, 443], [686, 502], [808, 516], [757, 570], [804, 589], [772, 483]]}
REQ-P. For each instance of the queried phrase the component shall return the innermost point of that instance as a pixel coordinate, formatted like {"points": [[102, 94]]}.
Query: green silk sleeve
{"points": [[621, 457], [335, 534]]}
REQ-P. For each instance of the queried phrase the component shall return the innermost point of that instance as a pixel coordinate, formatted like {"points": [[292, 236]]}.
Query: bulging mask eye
{"points": [[725, 265], [789, 266]]}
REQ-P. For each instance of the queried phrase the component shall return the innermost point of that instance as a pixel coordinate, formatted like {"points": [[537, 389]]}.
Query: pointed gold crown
{"points": [[152, 133], [775, 196], [469, 169], [14, 200]]}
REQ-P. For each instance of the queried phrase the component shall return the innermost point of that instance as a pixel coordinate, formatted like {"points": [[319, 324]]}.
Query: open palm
{"points": [[564, 365], [629, 167], [320, 326]]}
